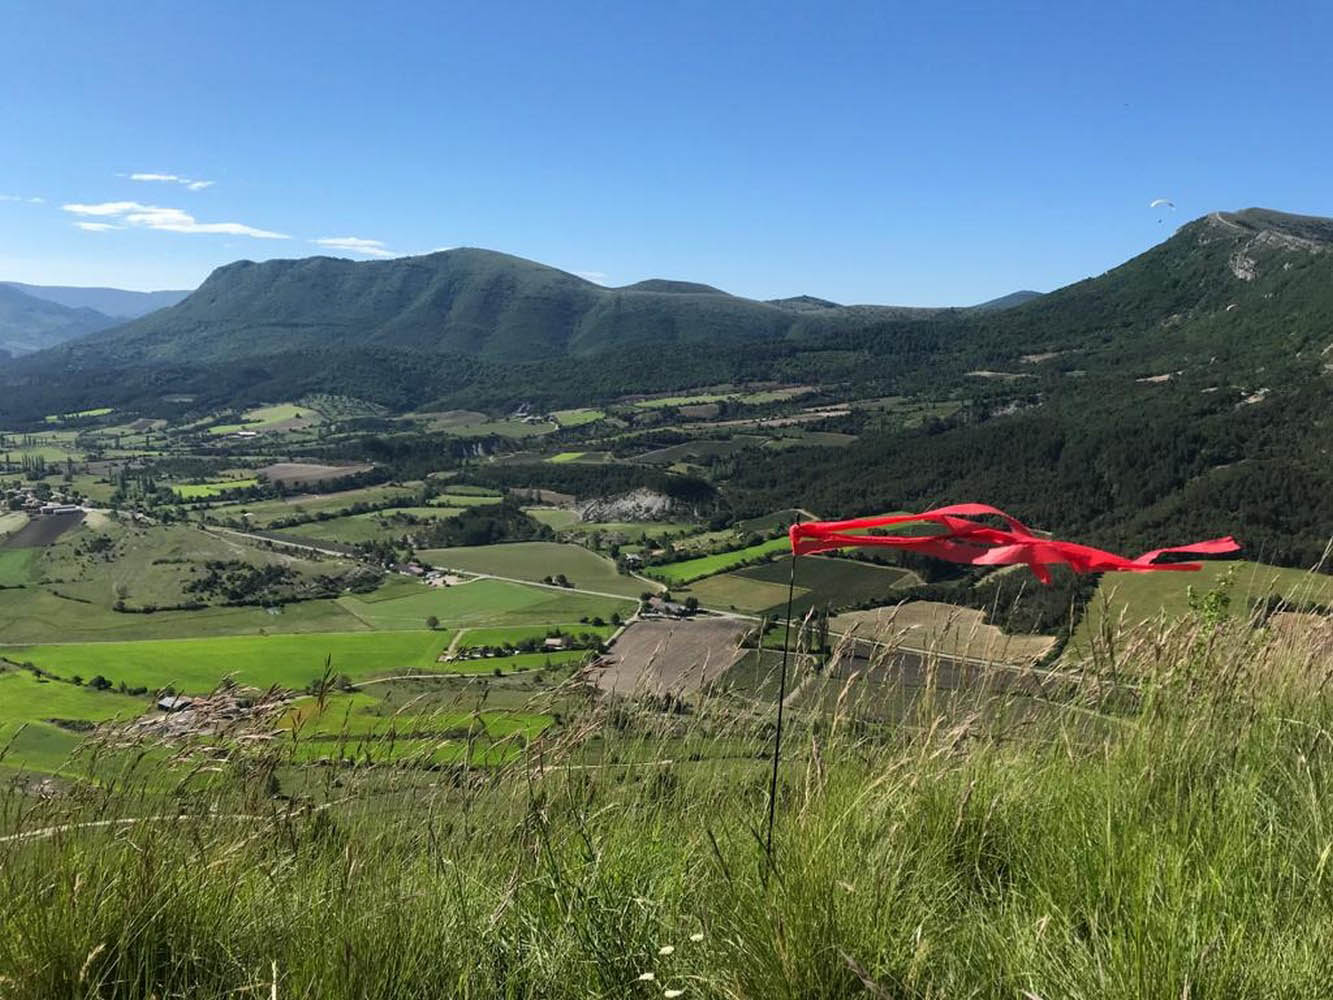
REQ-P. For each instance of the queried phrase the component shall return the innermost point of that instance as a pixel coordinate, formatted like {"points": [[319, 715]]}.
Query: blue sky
{"points": [[924, 153]]}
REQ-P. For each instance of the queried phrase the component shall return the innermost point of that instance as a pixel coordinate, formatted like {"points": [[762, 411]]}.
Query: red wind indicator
{"points": [[967, 541]]}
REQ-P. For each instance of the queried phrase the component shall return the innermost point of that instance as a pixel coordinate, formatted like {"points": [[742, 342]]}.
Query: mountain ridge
{"points": [[248, 332], [465, 301]]}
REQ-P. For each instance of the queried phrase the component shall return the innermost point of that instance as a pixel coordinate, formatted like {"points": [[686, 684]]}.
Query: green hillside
{"points": [[465, 301]]}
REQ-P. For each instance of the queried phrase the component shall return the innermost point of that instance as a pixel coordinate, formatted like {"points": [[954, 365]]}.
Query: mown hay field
{"points": [[481, 602], [535, 561], [578, 417], [944, 629]]}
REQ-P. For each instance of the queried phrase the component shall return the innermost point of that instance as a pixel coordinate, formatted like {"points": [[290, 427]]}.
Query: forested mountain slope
{"points": [[471, 302], [1188, 388]]}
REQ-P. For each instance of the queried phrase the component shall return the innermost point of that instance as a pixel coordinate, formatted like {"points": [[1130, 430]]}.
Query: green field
{"points": [[66, 591], [693, 451], [809, 439], [555, 518], [24, 697], [577, 418], [733, 592], [46, 450], [748, 398], [696, 569], [636, 531], [535, 560], [16, 566], [262, 513], [35, 615], [775, 395], [451, 499], [517, 662], [197, 665], [55, 418], [195, 491], [566, 456], [30, 740], [266, 418], [499, 636], [778, 519], [665, 401], [502, 428], [364, 715], [482, 602], [837, 582], [36, 747], [370, 526]]}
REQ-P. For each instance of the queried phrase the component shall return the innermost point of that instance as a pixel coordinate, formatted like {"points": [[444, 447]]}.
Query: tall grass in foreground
{"points": [[1178, 846]]}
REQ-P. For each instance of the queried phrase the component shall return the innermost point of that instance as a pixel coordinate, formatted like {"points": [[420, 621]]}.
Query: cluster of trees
{"points": [[533, 644], [484, 525], [236, 582]]}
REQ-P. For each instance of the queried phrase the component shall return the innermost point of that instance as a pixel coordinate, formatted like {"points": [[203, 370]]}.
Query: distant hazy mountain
{"points": [[466, 301], [30, 324], [114, 302]]}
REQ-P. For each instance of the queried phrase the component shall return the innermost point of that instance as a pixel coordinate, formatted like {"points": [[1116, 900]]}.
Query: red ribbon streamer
{"points": [[968, 541]]}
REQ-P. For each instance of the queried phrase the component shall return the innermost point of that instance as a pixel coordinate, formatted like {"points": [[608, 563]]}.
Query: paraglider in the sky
{"points": [[1162, 203]]}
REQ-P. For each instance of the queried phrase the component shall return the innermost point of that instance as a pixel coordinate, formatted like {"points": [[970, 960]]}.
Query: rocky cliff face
{"points": [[638, 505]]}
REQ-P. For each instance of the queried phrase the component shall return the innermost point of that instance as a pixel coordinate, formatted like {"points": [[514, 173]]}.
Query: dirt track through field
{"points": [[658, 656]]}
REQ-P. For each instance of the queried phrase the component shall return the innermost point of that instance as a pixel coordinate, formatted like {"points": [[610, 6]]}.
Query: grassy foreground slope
{"points": [[1173, 843]]}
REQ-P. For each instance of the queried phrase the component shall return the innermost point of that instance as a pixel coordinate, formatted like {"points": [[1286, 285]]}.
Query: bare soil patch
{"points": [[700, 411], [659, 656], [42, 530], [304, 473]]}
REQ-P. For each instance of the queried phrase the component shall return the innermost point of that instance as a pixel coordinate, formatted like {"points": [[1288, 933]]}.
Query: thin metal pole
{"points": [[782, 697]]}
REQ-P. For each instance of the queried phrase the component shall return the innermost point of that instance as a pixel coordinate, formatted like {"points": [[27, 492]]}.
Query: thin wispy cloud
{"points": [[355, 244], [186, 182], [97, 227], [167, 220], [596, 277], [19, 197]]}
